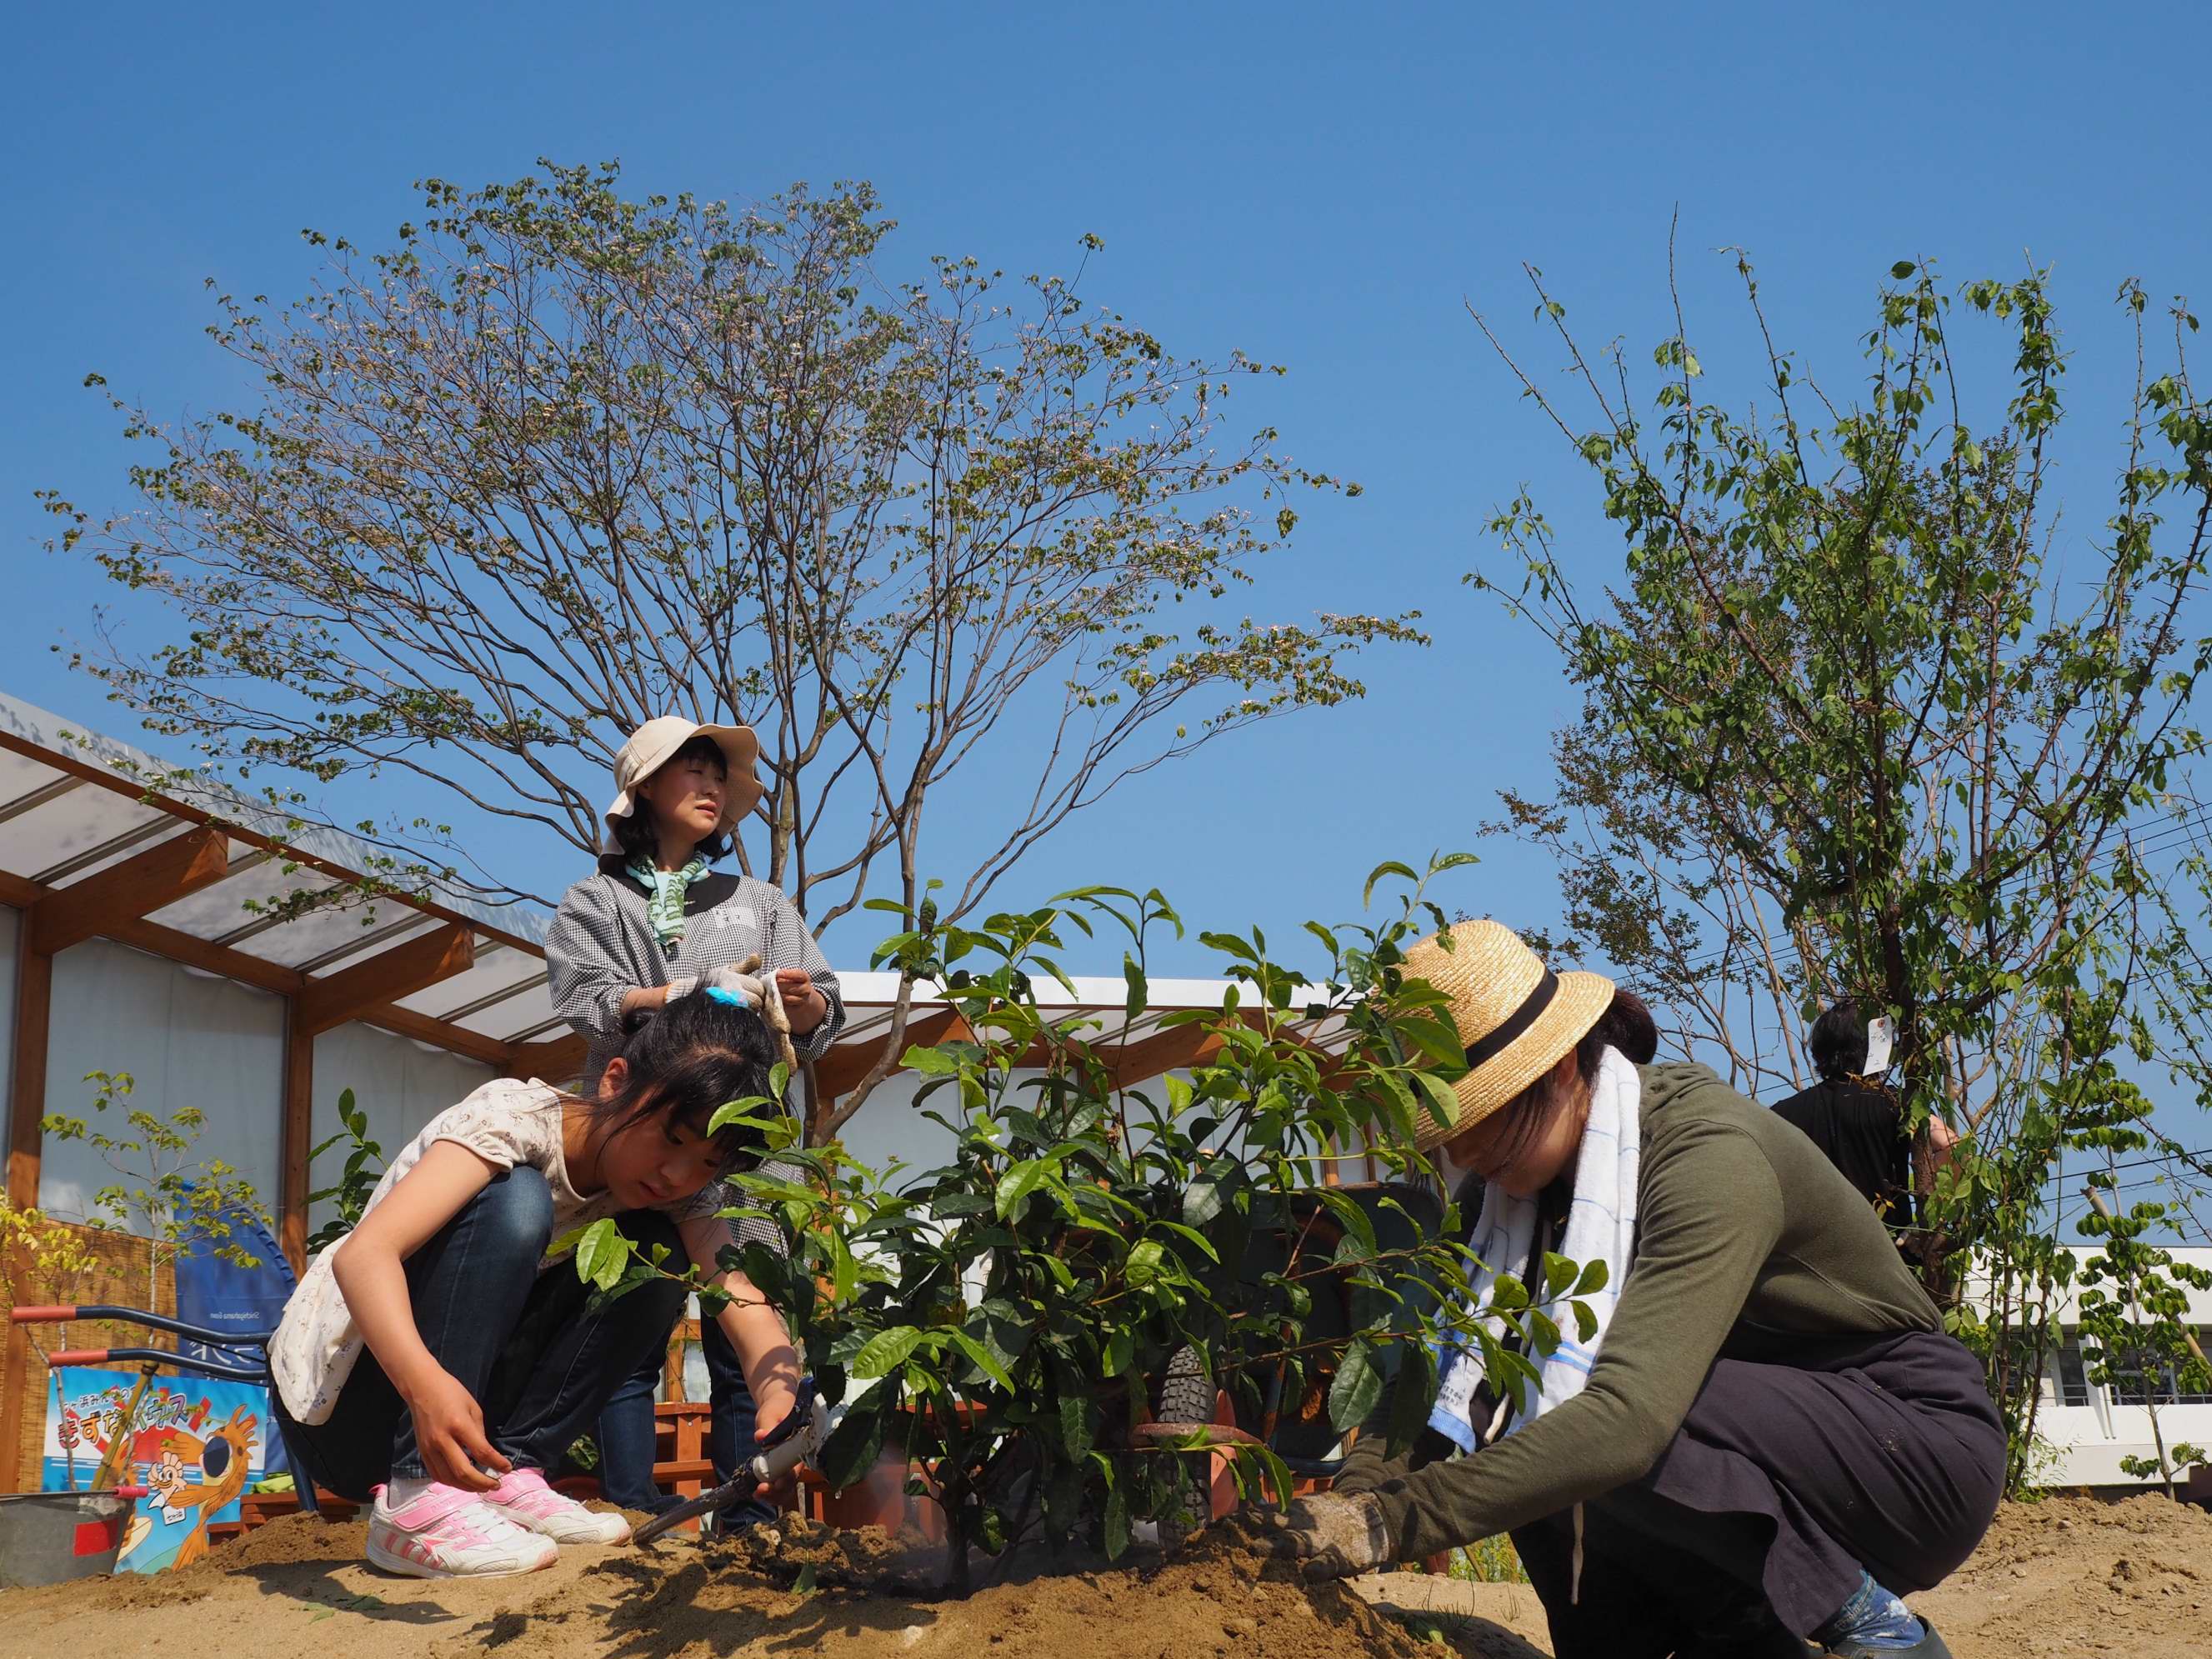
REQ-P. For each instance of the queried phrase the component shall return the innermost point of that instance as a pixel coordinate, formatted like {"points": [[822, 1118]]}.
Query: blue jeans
{"points": [[626, 1433], [533, 1349]]}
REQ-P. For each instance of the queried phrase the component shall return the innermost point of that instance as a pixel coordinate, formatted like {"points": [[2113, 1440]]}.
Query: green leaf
{"points": [[885, 1350], [1387, 868], [1443, 1102], [1358, 1386], [1117, 1523], [1016, 1184], [1594, 1276], [602, 1253], [1133, 1004], [1075, 1432], [1143, 1265], [986, 1361]]}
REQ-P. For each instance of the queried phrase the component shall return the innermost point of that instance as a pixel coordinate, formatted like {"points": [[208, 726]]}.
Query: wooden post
{"points": [[34, 998], [298, 1138]]}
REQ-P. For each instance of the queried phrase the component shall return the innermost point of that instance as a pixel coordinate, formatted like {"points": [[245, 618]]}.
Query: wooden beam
{"points": [[840, 1070], [1174, 1049], [26, 1085], [19, 890], [453, 1039], [560, 1060], [385, 977], [127, 891], [174, 944], [297, 1139], [34, 996]]}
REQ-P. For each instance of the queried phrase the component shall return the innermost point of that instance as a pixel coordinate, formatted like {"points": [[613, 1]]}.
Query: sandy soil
{"points": [[2129, 1581]]}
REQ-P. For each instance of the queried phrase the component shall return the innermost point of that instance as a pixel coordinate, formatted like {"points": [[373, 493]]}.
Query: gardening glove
{"points": [[759, 992], [1334, 1537]]}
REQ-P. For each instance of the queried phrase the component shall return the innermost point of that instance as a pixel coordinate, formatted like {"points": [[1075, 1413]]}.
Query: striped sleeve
{"points": [[583, 963]]}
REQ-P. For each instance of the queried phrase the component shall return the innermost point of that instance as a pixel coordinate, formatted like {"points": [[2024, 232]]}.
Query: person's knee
{"points": [[515, 1212]]}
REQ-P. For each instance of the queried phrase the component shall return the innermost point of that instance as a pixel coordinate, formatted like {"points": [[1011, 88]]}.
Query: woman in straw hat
{"points": [[654, 924], [1766, 1434]]}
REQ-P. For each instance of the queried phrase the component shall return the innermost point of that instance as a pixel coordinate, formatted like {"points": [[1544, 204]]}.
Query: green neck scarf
{"points": [[666, 907]]}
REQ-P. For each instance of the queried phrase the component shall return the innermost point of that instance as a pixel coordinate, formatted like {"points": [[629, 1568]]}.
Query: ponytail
{"points": [[1625, 1025]]}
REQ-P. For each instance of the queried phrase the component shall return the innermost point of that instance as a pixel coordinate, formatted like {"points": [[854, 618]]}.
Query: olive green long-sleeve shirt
{"points": [[1749, 1245]]}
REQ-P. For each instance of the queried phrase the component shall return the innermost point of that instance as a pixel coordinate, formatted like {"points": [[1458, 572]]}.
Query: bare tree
{"points": [[560, 461]]}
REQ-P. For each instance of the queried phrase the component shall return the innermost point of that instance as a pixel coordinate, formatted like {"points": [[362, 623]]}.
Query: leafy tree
{"points": [[2136, 1335], [163, 1190], [561, 460], [1005, 1316], [1855, 722]]}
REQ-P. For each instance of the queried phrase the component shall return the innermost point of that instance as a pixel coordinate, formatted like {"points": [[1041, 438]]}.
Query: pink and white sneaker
{"points": [[445, 1532], [523, 1498]]}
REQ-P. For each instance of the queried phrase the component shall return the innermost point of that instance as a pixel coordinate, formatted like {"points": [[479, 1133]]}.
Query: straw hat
{"points": [[655, 743], [1516, 1016]]}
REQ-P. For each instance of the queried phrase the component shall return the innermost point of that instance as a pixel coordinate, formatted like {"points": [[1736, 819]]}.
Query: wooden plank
{"points": [[557, 1061], [386, 977], [297, 1140], [19, 890], [124, 892], [840, 1070], [34, 988]]}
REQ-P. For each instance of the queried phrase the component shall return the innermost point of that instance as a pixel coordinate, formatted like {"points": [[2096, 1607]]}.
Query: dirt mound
{"points": [[2127, 1581], [300, 1585], [850, 1593], [2131, 1580]]}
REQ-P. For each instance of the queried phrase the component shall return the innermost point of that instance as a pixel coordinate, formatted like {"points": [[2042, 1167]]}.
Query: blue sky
{"points": [[1323, 186]]}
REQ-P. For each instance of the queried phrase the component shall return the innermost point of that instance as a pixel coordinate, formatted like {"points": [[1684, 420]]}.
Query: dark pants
{"points": [[1784, 1483], [531, 1347], [626, 1433]]}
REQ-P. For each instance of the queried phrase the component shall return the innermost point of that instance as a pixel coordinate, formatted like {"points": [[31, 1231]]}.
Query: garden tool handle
{"points": [[801, 1435]]}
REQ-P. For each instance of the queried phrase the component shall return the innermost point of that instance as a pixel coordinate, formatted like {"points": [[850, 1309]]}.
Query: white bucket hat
{"points": [[655, 743]]}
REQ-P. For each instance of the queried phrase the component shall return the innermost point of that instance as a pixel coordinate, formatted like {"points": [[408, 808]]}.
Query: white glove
{"points": [[682, 986]]}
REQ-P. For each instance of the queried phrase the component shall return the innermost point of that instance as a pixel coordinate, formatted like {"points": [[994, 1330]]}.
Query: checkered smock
{"points": [[602, 945]]}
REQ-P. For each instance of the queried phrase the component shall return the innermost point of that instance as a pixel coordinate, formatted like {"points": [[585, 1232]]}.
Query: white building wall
{"points": [[187, 1038], [2088, 1439], [398, 1083]]}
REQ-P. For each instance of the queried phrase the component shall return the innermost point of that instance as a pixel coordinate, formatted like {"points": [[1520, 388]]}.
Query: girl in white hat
{"points": [[1765, 1437], [654, 923]]}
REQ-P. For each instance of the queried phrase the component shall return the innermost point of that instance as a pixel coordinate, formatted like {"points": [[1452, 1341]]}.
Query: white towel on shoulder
{"points": [[1600, 1224]]}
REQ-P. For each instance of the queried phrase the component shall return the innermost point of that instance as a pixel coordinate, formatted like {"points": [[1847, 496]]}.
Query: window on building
{"points": [[2072, 1375], [2130, 1387]]}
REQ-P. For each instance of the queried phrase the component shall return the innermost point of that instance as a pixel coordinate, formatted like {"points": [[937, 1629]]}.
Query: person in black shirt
{"points": [[1850, 1116]]}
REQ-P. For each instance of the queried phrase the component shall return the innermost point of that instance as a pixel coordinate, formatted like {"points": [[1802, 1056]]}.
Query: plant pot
{"points": [[51, 1537]]}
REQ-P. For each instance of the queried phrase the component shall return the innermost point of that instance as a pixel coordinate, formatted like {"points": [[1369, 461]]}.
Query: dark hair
{"points": [[1625, 1025], [639, 836], [1839, 1040], [687, 1060]]}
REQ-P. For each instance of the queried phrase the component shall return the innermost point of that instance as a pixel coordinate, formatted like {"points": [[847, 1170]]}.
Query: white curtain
{"points": [[401, 1084], [187, 1039]]}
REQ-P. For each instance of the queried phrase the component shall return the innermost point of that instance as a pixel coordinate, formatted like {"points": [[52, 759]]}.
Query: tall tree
{"points": [[559, 461], [1857, 721]]}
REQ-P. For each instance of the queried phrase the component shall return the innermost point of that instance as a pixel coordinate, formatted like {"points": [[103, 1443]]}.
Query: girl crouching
{"points": [[441, 1359]]}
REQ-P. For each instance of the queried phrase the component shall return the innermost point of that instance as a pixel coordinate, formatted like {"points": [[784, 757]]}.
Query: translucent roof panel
{"points": [[237, 907]]}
